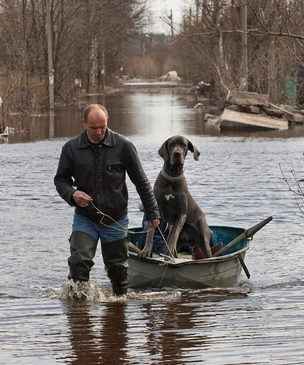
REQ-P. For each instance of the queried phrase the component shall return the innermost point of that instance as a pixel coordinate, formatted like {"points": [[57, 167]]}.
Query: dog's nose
{"points": [[176, 154]]}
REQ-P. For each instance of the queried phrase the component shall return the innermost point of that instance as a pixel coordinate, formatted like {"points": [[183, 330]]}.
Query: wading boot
{"points": [[115, 257], [83, 249]]}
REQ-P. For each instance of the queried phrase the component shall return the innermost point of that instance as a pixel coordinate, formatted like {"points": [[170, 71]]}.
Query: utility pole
{"points": [[244, 51], [170, 17], [50, 55], [197, 10]]}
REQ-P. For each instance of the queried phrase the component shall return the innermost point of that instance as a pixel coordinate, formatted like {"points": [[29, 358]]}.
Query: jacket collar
{"points": [[109, 139]]}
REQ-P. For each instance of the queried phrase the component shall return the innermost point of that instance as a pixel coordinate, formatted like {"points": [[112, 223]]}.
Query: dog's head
{"points": [[174, 150]]}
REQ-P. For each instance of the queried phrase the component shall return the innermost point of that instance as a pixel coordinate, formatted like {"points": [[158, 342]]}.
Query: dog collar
{"points": [[171, 178]]}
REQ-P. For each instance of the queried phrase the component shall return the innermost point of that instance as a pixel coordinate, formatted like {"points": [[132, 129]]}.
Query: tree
{"points": [[21, 61], [212, 36], [90, 40], [294, 186]]}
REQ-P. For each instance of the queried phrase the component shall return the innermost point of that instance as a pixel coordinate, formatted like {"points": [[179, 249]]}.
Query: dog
{"points": [[177, 206]]}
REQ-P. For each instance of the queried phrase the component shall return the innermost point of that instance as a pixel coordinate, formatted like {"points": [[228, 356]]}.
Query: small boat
{"points": [[222, 270], [7, 131]]}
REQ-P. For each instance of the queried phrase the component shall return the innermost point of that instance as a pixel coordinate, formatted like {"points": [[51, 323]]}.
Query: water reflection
{"points": [[171, 331], [211, 326], [135, 332], [98, 335], [141, 114]]}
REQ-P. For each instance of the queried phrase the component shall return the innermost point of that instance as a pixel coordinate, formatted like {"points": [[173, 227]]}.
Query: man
{"points": [[91, 176]]}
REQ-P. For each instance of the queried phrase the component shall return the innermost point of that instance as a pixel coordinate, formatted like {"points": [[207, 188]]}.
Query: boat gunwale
{"points": [[211, 260]]}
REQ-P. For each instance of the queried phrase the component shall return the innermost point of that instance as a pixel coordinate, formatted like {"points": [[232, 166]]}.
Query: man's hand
{"points": [[154, 223], [82, 199]]}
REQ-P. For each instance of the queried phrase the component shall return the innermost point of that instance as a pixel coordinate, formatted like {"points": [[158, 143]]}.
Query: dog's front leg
{"points": [[147, 250], [174, 234]]}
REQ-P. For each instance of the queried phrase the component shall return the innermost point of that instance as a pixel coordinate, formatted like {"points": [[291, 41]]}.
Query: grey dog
{"points": [[178, 208]]}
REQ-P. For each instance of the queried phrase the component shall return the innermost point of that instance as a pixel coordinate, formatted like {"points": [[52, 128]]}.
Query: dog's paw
{"points": [[172, 252], [144, 253]]}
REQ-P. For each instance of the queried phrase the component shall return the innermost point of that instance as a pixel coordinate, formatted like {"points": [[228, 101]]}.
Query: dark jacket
{"points": [[101, 173]]}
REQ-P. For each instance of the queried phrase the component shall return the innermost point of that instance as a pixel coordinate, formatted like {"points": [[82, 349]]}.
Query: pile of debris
{"points": [[254, 110], [170, 76]]}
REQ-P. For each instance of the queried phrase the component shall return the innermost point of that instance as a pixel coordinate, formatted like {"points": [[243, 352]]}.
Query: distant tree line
{"points": [[91, 39]]}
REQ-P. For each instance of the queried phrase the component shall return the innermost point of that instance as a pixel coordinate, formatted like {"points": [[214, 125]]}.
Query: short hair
{"points": [[91, 107]]}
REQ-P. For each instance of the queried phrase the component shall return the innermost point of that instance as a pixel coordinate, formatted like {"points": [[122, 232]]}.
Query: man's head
{"points": [[95, 120]]}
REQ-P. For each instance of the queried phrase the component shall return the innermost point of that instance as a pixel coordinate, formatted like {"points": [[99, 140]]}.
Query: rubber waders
{"points": [[115, 257], [83, 249]]}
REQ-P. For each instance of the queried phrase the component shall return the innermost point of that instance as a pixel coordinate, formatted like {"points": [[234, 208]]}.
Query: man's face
{"points": [[96, 125]]}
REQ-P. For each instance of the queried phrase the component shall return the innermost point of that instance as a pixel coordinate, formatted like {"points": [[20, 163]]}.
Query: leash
{"points": [[171, 257], [167, 259], [121, 229]]}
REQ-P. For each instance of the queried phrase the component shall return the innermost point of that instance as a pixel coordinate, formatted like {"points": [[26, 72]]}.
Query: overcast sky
{"points": [[161, 8]]}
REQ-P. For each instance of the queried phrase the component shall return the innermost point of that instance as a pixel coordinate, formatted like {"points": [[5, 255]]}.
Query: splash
{"points": [[90, 291], [83, 290]]}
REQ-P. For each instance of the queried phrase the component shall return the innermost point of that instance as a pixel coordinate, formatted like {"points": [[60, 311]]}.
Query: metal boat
{"points": [[223, 269]]}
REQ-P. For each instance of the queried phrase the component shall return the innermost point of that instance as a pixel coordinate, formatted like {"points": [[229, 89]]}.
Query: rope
{"points": [[121, 229], [165, 263]]}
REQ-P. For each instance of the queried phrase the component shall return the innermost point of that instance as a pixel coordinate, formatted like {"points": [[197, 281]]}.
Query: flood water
{"points": [[237, 181]]}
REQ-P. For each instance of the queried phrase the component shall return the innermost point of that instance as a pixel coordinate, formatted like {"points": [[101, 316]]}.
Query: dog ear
{"points": [[163, 151], [194, 150]]}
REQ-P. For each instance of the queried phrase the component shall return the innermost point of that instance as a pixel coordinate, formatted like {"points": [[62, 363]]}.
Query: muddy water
{"points": [[237, 181]]}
